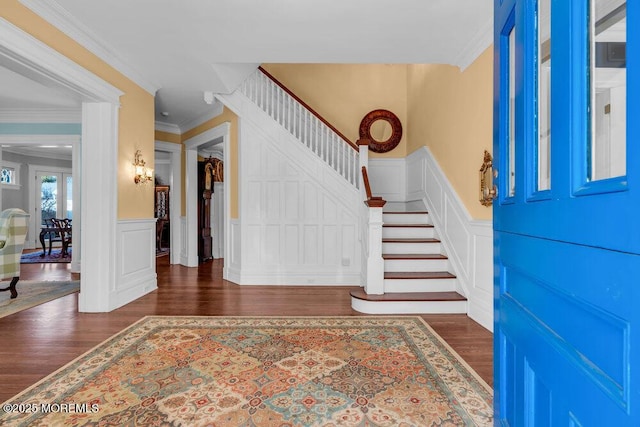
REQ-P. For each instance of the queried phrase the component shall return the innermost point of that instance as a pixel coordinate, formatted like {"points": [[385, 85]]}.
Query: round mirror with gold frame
{"points": [[383, 130]]}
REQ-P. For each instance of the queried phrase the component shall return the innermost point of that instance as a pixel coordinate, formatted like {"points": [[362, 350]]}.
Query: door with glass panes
{"points": [[54, 193], [566, 233]]}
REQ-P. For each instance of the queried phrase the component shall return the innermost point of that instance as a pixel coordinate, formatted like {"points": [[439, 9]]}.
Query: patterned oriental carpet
{"points": [[265, 371]]}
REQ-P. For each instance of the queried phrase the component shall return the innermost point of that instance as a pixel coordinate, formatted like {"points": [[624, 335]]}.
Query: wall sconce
{"points": [[143, 174]]}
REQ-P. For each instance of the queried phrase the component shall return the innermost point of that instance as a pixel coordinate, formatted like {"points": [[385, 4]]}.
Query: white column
{"points": [[99, 206], [76, 173]]}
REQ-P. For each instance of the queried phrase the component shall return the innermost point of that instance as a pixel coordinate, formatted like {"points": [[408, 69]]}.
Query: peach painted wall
{"points": [[168, 137], [451, 112], [136, 115], [230, 159], [344, 93]]}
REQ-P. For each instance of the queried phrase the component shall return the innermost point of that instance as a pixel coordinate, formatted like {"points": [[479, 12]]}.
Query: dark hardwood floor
{"points": [[38, 341]]}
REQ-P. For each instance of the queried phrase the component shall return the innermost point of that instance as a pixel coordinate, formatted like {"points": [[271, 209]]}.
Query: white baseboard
{"points": [[309, 278]]}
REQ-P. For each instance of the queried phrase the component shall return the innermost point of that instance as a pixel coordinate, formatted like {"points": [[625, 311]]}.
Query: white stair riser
{"points": [[411, 248], [410, 307], [416, 265], [419, 285], [407, 232], [406, 218]]}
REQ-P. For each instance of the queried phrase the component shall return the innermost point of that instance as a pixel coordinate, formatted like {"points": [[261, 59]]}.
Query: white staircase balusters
{"points": [[328, 145]]}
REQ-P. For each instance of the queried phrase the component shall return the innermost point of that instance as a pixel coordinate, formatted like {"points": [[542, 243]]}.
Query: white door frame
{"points": [[33, 191], [32, 58], [175, 200], [190, 259]]}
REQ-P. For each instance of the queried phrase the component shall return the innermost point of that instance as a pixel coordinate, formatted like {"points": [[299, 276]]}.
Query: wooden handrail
{"points": [[372, 202], [365, 179], [305, 105]]}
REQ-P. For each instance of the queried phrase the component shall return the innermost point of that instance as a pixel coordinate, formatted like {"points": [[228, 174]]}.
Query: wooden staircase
{"points": [[417, 277]]}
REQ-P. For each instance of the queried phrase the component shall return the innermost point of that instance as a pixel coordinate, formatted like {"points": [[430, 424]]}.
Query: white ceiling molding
{"points": [[27, 55], [168, 127], [40, 115], [479, 43], [57, 16], [46, 146], [216, 110], [36, 140], [46, 153]]}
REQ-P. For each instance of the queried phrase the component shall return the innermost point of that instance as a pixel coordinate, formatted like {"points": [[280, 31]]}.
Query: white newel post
{"points": [[375, 264]]}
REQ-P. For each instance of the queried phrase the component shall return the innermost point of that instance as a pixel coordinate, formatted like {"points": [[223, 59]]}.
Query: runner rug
{"points": [[32, 293], [36, 257], [267, 371]]}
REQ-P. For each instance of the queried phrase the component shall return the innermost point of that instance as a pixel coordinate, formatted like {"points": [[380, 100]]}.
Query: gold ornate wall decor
{"points": [[392, 128], [488, 191], [218, 170]]}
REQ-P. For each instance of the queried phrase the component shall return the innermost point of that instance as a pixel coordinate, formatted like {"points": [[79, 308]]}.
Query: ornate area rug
{"points": [[35, 257], [32, 293], [246, 371]]}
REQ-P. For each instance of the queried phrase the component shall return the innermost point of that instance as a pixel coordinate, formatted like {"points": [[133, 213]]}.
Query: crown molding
{"points": [[59, 17], [35, 140], [42, 63], [168, 127], [48, 154], [216, 109], [479, 43], [24, 145], [40, 115]]}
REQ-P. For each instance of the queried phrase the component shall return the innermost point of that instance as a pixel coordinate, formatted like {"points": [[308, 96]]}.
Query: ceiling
{"points": [[183, 48]]}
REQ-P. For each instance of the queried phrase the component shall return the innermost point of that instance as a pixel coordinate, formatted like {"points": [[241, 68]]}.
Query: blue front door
{"points": [[567, 216]]}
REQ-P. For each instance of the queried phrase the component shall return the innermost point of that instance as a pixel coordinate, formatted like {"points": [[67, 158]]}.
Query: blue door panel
{"points": [[584, 309], [567, 389], [567, 259]]}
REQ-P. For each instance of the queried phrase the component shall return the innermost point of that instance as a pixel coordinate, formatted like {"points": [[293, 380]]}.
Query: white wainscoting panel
{"points": [[135, 260], [299, 218], [388, 179], [468, 243]]}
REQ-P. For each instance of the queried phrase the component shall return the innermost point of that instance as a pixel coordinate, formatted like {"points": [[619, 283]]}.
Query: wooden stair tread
{"points": [[411, 240], [409, 225], [414, 256], [418, 275], [409, 296]]}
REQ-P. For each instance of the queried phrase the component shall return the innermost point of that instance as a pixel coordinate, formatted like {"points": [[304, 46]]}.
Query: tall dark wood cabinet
{"points": [[162, 215], [205, 188]]}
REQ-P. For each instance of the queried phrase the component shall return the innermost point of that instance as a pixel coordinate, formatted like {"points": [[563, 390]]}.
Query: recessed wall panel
{"points": [[291, 201], [291, 244], [330, 245], [310, 244]]}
